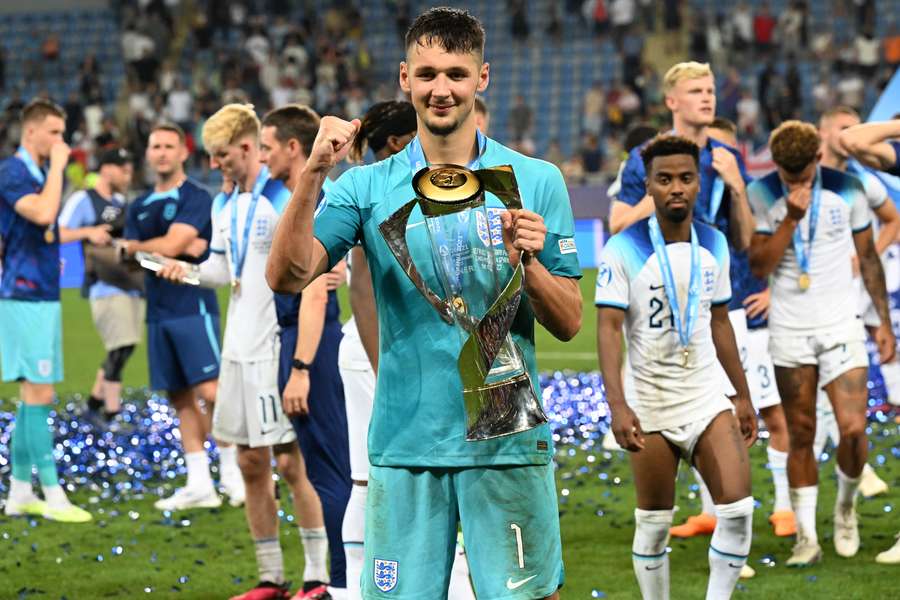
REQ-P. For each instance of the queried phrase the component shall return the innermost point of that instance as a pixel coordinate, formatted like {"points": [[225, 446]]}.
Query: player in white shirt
{"points": [[806, 216], [248, 407], [885, 227], [666, 279]]}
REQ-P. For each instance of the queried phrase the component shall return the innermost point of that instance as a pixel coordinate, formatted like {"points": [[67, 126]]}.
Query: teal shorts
{"points": [[31, 341], [510, 523]]}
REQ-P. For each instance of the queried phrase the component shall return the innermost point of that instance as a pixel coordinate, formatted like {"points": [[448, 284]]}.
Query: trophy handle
{"points": [[501, 181], [394, 231]]}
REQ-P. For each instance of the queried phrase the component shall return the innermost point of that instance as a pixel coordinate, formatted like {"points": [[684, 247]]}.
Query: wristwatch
{"points": [[298, 364]]}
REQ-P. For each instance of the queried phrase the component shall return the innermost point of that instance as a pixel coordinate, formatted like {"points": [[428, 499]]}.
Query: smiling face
{"points": [[693, 101], [673, 183], [442, 85]]}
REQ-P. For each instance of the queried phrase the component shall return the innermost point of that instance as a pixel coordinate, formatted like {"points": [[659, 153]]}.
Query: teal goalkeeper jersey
{"points": [[418, 419]]}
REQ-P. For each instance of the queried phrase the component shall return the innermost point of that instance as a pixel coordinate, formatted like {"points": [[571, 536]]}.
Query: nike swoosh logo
{"points": [[512, 585], [142, 216], [411, 225], [653, 288], [264, 432], [734, 566], [649, 568]]}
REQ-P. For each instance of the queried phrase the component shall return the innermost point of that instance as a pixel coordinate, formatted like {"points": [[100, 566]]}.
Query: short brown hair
{"points": [[294, 121], [834, 111], [41, 108], [454, 30], [794, 144], [170, 127], [723, 124]]}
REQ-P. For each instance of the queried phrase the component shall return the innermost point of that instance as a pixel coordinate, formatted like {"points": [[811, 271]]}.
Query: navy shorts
{"points": [[322, 435], [183, 352]]}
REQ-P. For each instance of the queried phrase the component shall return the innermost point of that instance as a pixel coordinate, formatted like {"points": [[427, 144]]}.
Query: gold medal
{"points": [[49, 236], [684, 357], [235, 286], [803, 281]]}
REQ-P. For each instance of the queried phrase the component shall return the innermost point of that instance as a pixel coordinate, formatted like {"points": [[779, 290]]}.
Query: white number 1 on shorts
{"points": [[518, 531]]}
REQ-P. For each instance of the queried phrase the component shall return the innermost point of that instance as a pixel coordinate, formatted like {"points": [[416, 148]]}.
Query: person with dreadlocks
{"points": [[385, 130]]}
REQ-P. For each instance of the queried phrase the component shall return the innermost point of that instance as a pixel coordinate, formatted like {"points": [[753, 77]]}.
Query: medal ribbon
{"points": [[32, 167], [801, 249], [685, 326], [715, 199], [239, 252]]}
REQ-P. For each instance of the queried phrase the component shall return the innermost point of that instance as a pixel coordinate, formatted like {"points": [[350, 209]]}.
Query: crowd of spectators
{"points": [[182, 63]]}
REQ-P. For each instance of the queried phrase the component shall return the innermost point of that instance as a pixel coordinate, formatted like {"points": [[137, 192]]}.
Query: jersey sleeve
{"points": [[756, 196], [338, 220], [560, 255], [612, 288], [722, 293], [859, 208], [633, 188], [895, 170], [194, 210], [77, 212], [15, 182], [876, 192]]}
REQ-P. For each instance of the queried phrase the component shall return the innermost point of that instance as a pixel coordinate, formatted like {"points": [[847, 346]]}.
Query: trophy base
{"points": [[503, 408]]}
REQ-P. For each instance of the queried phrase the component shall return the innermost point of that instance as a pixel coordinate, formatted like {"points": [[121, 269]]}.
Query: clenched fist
{"points": [[332, 143]]}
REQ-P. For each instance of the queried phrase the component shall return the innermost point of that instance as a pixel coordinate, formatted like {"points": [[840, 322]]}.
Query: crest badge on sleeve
{"points": [[386, 574]]}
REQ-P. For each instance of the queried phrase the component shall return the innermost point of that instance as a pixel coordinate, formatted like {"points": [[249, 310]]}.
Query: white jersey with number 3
{"points": [[667, 393]]}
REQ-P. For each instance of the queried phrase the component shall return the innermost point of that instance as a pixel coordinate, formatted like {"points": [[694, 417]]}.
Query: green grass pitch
{"points": [[131, 551]]}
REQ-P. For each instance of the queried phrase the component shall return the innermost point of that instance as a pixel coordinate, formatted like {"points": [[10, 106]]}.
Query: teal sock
{"points": [[40, 443], [18, 448]]}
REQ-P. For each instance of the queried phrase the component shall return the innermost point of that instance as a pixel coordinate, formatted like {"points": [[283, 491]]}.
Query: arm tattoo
{"points": [[873, 277]]}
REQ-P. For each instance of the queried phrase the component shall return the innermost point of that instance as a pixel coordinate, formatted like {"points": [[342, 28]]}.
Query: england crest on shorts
{"points": [[386, 574]]}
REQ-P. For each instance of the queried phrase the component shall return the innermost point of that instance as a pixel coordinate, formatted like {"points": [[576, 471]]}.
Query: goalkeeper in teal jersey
{"points": [[424, 477]]}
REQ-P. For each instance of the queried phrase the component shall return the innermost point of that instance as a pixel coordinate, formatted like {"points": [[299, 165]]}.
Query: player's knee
{"points": [[206, 391], [852, 426], [288, 466], [254, 464], [651, 531], [115, 362], [802, 432]]}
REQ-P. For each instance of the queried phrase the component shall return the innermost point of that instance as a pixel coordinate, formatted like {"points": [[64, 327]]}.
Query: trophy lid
{"points": [[447, 184]]}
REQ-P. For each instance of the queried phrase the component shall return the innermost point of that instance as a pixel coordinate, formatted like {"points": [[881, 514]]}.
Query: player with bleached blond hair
{"points": [[248, 405]]}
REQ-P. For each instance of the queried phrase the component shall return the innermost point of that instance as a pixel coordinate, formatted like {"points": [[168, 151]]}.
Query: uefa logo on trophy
{"points": [[480, 297]]}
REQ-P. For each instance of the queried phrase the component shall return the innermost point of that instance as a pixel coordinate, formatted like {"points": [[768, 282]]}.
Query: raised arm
{"points": [[622, 215], [556, 300], [890, 226], [868, 143], [766, 250], [726, 165], [42, 209], [297, 257]]}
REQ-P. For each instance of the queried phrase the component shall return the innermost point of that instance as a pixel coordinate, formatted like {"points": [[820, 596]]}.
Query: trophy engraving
{"points": [[480, 298]]}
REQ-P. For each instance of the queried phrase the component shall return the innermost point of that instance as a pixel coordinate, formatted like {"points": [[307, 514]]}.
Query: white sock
{"points": [[228, 466], [729, 547], [778, 466], [648, 552], [20, 492], [338, 593], [315, 552], [55, 496], [353, 533], [197, 470], [890, 372], [846, 489], [804, 500], [709, 507], [269, 560], [460, 584]]}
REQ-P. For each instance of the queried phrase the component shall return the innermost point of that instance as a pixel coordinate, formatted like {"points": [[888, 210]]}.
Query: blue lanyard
{"points": [[32, 167], [685, 327], [804, 251], [239, 252]]}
